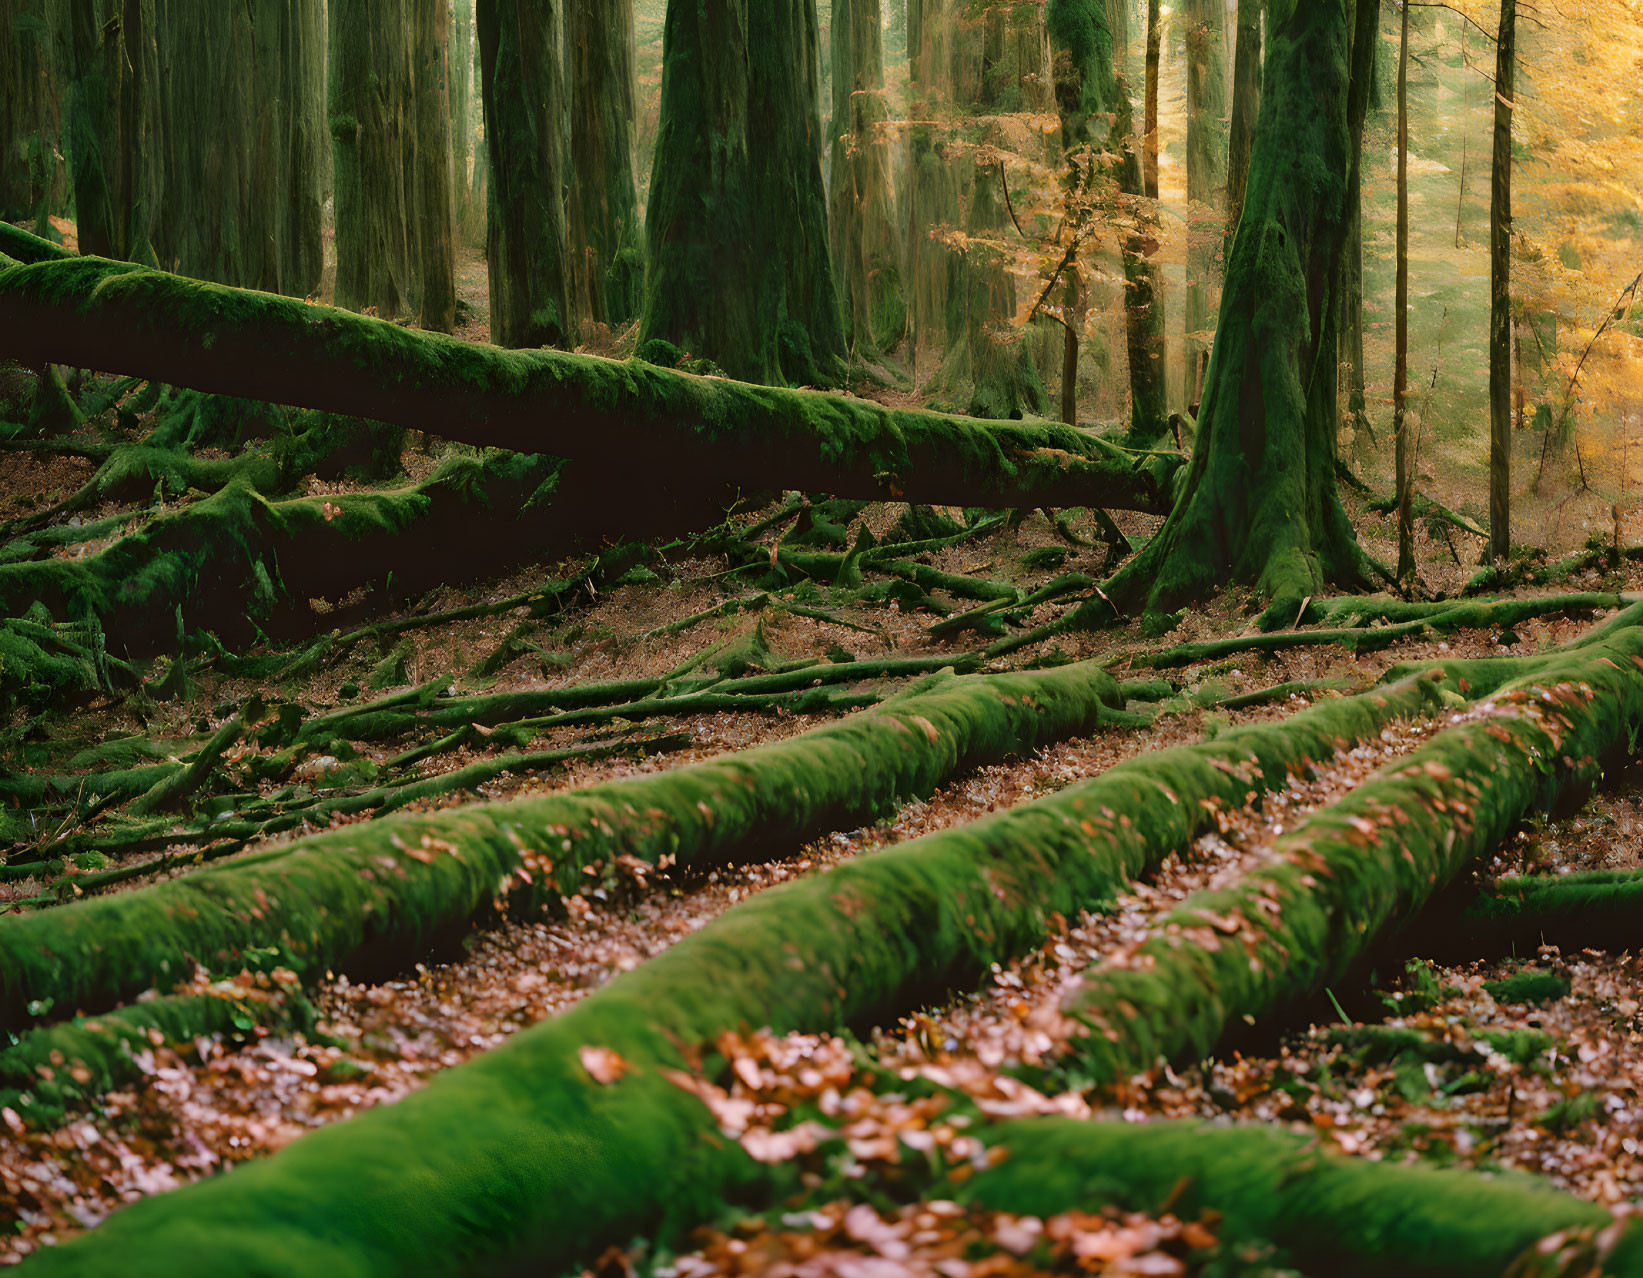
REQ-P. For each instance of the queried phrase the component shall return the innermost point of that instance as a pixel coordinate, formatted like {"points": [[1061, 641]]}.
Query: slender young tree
{"points": [[431, 198], [1259, 502], [520, 47], [607, 248], [1246, 103], [1098, 121], [1500, 294], [1400, 368], [1206, 173], [866, 245], [1351, 293], [1149, 127], [737, 219]]}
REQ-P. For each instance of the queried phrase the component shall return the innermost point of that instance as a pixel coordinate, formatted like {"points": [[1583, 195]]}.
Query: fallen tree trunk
{"points": [[1356, 870], [521, 1158], [1347, 1217], [1594, 909], [386, 891], [115, 317]]}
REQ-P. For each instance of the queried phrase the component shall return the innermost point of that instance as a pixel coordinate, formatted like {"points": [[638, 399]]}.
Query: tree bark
{"points": [[1365, 55], [1405, 459], [866, 246], [435, 211], [1206, 175], [1500, 295], [607, 247], [737, 218], [520, 43], [119, 318], [1260, 503], [100, 216], [33, 181], [369, 94], [1149, 126], [1246, 105]]}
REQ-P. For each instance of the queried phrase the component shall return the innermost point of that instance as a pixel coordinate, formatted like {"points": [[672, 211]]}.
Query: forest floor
{"points": [[1572, 1111]]}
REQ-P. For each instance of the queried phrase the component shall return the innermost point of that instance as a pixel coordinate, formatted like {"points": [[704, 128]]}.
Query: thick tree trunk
{"points": [[371, 130], [866, 246], [119, 318], [1246, 105], [1405, 449], [434, 210], [1260, 503], [521, 43], [100, 215], [1206, 176], [33, 76], [1500, 295], [737, 218], [607, 247]]}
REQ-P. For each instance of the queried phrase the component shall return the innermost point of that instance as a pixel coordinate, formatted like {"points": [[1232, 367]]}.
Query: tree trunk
{"points": [[1365, 56], [1400, 373], [1260, 503], [931, 199], [1246, 105], [100, 217], [434, 209], [607, 248], [1095, 109], [370, 70], [866, 246], [1149, 126], [521, 43], [121, 318], [1072, 324], [1500, 296], [33, 76], [467, 154], [737, 219], [1206, 175]]}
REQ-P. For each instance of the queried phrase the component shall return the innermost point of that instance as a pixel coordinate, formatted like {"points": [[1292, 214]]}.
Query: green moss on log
{"points": [[1354, 871], [387, 890], [1327, 1214], [94, 313], [522, 1158]]}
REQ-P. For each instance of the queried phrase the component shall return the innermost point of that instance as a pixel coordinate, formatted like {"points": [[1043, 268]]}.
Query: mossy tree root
{"points": [[384, 891], [521, 1157], [1354, 871], [1325, 1213], [113, 315], [1408, 620]]}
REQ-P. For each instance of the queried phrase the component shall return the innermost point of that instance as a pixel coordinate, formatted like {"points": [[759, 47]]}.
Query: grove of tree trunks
{"points": [[607, 247], [33, 138], [737, 218]]}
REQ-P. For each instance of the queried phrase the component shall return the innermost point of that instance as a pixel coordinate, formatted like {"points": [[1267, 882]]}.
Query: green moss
{"points": [[384, 892], [521, 1158], [1351, 872], [1326, 1214], [1529, 985]]}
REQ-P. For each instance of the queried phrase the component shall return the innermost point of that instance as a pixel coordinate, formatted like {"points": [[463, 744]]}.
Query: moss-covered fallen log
{"points": [[49, 1070], [237, 553], [522, 1158], [117, 317], [383, 892], [1354, 871], [1515, 915], [1325, 1213]]}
